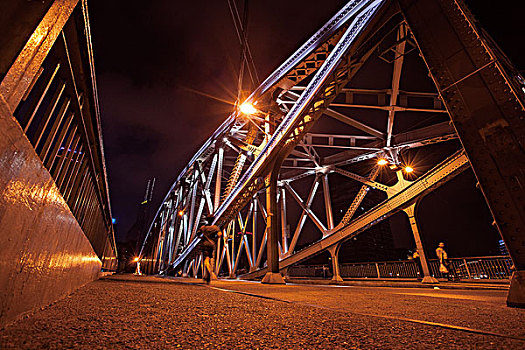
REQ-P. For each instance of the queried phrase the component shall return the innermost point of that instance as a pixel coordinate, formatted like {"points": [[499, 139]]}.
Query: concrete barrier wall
{"points": [[44, 254]]}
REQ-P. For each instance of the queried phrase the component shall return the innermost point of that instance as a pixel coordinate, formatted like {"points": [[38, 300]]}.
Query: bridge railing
{"points": [[483, 267], [50, 88]]}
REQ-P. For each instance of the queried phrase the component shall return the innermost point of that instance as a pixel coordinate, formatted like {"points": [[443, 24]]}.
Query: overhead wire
{"points": [[246, 54]]}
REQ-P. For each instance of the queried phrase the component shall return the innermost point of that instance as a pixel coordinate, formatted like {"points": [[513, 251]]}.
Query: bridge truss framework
{"points": [[325, 117]]}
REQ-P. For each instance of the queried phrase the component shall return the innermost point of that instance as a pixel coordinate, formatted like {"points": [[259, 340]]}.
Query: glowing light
{"points": [[382, 161], [249, 153], [409, 169], [247, 108], [181, 212], [136, 260]]}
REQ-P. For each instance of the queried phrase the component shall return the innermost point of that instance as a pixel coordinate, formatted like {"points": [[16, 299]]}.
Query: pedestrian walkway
{"points": [[140, 312]]}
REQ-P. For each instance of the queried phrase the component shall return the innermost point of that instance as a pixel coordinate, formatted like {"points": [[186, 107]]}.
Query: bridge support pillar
{"points": [[273, 275], [427, 278], [486, 110], [516, 296], [334, 253]]}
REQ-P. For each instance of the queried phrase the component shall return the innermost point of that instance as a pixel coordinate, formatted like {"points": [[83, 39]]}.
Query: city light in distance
{"points": [[136, 260], [382, 161], [247, 108], [181, 212], [409, 169]]}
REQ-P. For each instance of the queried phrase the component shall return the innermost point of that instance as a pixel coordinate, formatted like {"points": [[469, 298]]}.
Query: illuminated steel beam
{"points": [[426, 183]]}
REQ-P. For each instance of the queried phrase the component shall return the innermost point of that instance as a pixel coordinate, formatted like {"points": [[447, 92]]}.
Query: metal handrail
{"points": [[480, 267]]}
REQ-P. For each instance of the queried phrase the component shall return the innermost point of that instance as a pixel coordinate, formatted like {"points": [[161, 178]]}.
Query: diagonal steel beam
{"points": [[354, 123], [365, 180], [305, 207], [445, 171]]}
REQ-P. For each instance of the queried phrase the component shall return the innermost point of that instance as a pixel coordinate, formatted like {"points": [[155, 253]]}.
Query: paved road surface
{"points": [[151, 313]]}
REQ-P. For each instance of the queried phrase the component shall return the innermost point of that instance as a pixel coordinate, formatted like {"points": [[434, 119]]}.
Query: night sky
{"points": [[157, 60]]}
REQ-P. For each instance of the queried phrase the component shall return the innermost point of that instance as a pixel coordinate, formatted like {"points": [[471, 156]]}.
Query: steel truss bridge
{"points": [[382, 79]]}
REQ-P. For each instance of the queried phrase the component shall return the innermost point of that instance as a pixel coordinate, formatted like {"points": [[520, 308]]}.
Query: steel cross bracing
{"points": [[324, 118], [399, 196], [233, 126], [303, 159]]}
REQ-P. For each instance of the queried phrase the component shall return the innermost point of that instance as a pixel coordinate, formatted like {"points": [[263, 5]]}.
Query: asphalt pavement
{"points": [[128, 312]]}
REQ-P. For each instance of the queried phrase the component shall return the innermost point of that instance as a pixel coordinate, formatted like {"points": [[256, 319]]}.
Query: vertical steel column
{"points": [[328, 203], [334, 254], [427, 278], [254, 234], [218, 180], [273, 276], [284, 224]]}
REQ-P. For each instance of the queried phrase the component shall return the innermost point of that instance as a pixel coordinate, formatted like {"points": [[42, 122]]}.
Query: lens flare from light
{"points": [[136, 260], [382, 162], [247, 108], [409, 169], [181, 212]]}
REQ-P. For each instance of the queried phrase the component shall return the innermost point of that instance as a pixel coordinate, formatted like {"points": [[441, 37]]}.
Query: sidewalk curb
{"points": [[402, 284], [291, 281]]}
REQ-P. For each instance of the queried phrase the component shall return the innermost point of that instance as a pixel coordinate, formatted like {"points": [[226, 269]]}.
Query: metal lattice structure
{"points": [[343, 100]]}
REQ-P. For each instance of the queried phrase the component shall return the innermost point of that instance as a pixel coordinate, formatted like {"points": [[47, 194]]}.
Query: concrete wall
{"points": [[44, 254]]}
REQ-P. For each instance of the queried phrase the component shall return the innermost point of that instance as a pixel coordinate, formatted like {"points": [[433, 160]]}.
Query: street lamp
{"points": [[382, 161], [409, 169], [247, 108], [137, 271]]}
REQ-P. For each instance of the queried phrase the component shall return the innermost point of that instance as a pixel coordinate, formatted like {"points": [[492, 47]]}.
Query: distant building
{"points": [[502, 248]]}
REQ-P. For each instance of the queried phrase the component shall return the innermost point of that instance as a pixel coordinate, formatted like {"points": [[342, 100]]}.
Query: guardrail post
{"points": [[334, 253], [427, 278], [273, 276]]}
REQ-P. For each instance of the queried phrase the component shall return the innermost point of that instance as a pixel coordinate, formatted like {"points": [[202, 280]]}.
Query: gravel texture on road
{"points": [[479, 309], [152, 313]]}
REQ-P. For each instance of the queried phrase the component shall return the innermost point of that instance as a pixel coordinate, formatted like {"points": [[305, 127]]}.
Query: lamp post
{"points": [[137, 270]]}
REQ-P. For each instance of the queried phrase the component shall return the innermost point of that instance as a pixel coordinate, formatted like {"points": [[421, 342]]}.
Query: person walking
{"points": [[443, 260], [210, 234]]}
